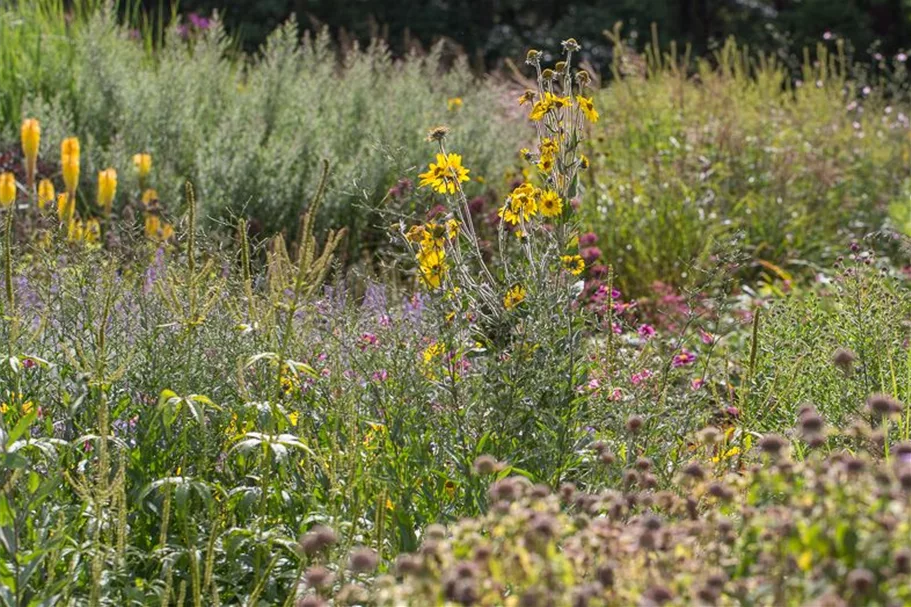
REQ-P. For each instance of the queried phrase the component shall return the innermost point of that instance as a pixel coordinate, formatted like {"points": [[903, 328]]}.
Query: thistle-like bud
{"points": [[438, 133]]}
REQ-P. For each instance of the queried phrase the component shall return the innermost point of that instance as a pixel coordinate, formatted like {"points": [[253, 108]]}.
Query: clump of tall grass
{"points": [[729, 148]]}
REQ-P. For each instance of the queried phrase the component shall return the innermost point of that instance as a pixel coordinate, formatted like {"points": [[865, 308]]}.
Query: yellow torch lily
{"points": [[107, 189], [143, 164], [66, 208], [69, 159], [46, 193], [31, 138], [7, 190]]}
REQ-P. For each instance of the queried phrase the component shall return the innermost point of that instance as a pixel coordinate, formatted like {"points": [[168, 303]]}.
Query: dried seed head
{"points": [[408, 564], [362, 560], [772, 444], [843, 358], [310, 601], [560, 67], [486, 465], [437, 133], [548, 74], [811, 422], [861, 580], [658, 595], [644, 464], [318, 577], [571, 46], [903, 561], [883, 405], [435, 532], [352, 594], [605, 575], [583, 78], [710, 435], [505, 490], [533, 57], [694, 471], [634, 423], [539, 491], [318, 539]]}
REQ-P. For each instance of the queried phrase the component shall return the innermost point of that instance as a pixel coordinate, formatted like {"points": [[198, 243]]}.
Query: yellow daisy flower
{"points": [[514, 296], [551, 204], [574, 264]]}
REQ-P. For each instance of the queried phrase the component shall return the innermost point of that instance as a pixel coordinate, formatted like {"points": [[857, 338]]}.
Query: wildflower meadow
{"points": [[327, 325]]}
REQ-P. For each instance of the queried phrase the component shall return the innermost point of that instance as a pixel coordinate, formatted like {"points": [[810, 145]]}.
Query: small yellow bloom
{"points": [[521, 205], [587, 105], [432, 352], [293, 417], [514, 296], [551, 204], [31, 138], [452, 229], [454, 103], [156, 229], [527, 97], [7, 189], [149, 197], [432, 267], [446, 174], [46, 193], [143, 164], [548, 146], [584, 162], [574, 264], [66, 207], [546, 163], [107, 189]]}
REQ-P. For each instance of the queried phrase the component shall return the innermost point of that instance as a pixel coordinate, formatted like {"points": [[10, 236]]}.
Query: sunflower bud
{"points": [[107, 189], [7, 190], [31, 138], [46, 193]]}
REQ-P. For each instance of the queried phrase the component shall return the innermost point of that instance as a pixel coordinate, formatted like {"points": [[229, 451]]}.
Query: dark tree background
{"points": [[491, 29]]}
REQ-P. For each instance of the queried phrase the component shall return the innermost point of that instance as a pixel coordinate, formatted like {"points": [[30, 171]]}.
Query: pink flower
{"points": [[380, 376], [367, 339], [684, 358], [616, 394], [616, 328], [588, 239], [697, 383], [590, 254], [638, 378], [646, 331], [707, 338]]}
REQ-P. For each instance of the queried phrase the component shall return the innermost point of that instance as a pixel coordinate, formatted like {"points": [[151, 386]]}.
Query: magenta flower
{"points": [[707, 338], [590, 254], [684, 358], [646, 331], [697, 383], [588, 239]]}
